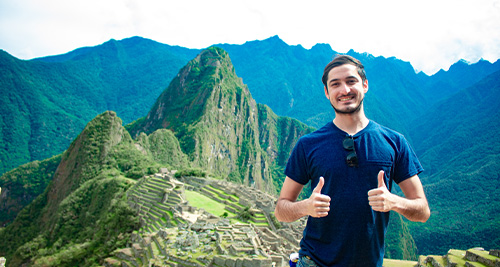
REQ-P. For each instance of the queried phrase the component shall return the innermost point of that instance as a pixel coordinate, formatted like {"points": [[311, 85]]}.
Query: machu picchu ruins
{"points": [[174, 232]]}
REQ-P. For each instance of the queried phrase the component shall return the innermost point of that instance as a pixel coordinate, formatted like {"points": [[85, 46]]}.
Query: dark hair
{"points": [[340, 60]]}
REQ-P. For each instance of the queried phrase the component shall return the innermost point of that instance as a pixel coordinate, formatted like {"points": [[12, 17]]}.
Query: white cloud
{"points": [[429, 34]]}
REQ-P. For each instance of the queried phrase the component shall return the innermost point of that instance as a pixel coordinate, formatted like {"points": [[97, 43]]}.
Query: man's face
{"points": [[346, 90]]}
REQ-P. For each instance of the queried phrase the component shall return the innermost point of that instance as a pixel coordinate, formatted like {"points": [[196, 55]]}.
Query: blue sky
{"points": [[431, 35]]}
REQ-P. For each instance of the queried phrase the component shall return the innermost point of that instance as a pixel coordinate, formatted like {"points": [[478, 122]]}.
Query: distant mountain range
{"points": [[449, 119]]}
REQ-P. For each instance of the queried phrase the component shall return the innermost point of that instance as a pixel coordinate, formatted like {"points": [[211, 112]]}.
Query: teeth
{"points": [[345, 99]]}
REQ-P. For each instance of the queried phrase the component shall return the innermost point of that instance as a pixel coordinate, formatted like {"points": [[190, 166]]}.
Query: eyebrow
{"points": [[348, 77]]}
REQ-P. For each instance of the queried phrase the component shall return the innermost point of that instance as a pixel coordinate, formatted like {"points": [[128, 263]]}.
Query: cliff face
{"points": [[219, 124]]}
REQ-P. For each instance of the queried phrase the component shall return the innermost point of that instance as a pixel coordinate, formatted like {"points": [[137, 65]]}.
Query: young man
{"points": [[351, 163]]}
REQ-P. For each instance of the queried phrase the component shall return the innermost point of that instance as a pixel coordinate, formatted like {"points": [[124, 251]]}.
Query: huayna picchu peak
{"points": [[217, 121]]}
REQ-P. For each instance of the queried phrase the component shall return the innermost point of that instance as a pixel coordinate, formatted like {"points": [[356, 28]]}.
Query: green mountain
{"points": [[286, 78], [460, 150], [81, 213], [23, 184], [397, 94], [46, 102], [219, 124], [461, 75]]}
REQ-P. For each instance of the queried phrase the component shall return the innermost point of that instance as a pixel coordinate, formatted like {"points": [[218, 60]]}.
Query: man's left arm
{"points": [[413, 206]]}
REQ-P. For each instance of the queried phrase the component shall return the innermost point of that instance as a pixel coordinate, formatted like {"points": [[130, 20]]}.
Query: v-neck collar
{"points": [[359, 133]]}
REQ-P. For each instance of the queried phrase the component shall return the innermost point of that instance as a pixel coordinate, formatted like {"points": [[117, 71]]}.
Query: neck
{"points": [[351, 123]]}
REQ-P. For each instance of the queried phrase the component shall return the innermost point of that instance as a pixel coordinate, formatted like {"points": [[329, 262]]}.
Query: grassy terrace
{"points": [[484, 254], [219, 195], [457, 256], [216, 207], [221, 192], [399, 263], [440, 260], [201, 201]]}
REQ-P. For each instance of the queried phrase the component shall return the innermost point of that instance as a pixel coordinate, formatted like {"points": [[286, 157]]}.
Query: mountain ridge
{"points": [[472, 152], [47, 102]]}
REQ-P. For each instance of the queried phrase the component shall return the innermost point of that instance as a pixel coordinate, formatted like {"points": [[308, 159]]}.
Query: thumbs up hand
{"points": [[319, 204], [380, 199]]}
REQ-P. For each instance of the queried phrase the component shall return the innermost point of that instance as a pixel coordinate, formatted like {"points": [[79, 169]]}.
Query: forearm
{"points": [[289, 211], [416, 210]]}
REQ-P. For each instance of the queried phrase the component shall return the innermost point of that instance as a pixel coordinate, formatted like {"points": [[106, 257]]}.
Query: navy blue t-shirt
{"points": [[352, 234]]}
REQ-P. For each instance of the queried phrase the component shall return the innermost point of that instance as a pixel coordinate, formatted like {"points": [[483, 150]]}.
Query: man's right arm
{"points": [[288, 209]]}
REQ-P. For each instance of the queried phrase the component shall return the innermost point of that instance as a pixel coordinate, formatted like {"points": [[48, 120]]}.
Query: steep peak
{"points": [[276, 41], [185, 99], [85, 157], [213, 115], [271, 42], [459, 65], [213, 57], [322, 48]]}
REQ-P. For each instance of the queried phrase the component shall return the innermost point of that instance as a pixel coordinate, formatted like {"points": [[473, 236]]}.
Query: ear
{"points": [[365, 86], [326, 93]]}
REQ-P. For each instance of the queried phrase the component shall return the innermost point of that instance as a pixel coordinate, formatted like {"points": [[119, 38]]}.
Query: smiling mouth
{"points": [[346, 98]]}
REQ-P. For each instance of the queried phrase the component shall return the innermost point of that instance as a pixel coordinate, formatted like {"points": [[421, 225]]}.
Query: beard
{"points": [[349, 110]]}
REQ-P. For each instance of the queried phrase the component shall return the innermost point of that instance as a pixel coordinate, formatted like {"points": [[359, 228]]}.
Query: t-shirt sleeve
{"points": [[407, 163], [296, 167]]}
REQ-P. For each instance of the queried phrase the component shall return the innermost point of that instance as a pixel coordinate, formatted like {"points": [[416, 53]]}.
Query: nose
{"points": [[345, 88]]}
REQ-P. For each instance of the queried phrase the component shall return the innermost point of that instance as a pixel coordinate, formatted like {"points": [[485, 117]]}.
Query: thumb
{"points": [[319, 186], [381, 182]]}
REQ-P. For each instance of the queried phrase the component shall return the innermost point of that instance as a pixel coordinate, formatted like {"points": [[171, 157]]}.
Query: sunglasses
{"points": [[352, 158]]}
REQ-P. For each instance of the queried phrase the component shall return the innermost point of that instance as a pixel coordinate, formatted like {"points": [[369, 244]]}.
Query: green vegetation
{"points": [[246, 214], [24, 184], [163, 147], [190, 172], [457, 256], [46, 102], [398, 263], [399, 242], [462, 186], [275, 221], [109, 152], [203, 202]]}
